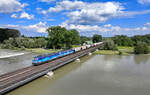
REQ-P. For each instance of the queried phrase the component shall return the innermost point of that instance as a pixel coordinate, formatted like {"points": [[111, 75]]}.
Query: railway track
{"points": [[8, 80]]}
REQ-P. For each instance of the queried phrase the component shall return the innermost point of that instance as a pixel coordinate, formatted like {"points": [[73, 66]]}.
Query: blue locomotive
{"points": [[48, 57]]}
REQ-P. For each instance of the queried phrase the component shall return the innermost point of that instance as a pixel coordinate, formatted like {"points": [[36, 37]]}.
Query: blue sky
{"points": [[89, 17]]}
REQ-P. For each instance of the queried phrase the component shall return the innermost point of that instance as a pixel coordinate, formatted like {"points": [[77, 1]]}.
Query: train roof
{"points": [[48, 54], [44, 55]]}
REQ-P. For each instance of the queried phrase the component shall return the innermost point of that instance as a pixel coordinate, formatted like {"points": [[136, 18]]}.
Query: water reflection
{"points": [[41, 83], [98, 75], [141, 59]]}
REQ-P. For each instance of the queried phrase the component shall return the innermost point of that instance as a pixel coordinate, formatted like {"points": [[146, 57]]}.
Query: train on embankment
{"points": [[41, 59]]}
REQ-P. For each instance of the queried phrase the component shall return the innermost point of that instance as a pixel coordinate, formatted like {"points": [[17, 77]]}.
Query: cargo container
{"points": [[83, 47], [77, 49], [88, 46]]}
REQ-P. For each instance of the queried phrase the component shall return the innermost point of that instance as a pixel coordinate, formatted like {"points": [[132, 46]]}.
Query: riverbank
{"points": [[121, 51], [6, 53], [41, 50]]}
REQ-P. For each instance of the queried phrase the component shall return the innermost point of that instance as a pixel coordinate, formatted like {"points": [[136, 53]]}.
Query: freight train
{"points": [[41, 59]]}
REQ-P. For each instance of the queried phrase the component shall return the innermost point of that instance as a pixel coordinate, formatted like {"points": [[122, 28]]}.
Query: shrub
{"points": [[109, 45], [141, 48]]}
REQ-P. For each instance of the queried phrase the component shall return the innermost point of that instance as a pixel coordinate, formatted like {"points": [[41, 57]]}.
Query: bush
{"points": [[109, 45], [96, 38], [141, 48], [24, 43], [120, 52]]}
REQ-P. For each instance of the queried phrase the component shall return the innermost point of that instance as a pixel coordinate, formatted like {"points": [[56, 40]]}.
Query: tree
{"points": [[109, 45], [96, 38], [123, 40], [60, 37], [75, 36], [141, 38], [84, 39], [56, 37], [6, 33], [141, 48], [40, 43]]}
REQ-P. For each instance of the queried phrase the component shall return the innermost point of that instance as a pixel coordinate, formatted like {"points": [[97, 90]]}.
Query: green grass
{"points": [[107, 52], [122, 49], [41, 50], [126, 49], [74, 46]]}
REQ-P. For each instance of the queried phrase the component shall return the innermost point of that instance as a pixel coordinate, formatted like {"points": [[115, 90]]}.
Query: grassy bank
{"points": [[106, 52], [121, 51], [41, 50]]}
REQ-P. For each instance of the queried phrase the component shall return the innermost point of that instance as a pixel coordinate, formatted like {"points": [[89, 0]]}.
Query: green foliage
{"points": [[141, 38], [7, 33], [96, 38], [120, 52], [109, 45], [75, 37], [24, 43], [84, 39], [40, 43], [60, 37], [126, 49], [122, 40], [141, 48]]}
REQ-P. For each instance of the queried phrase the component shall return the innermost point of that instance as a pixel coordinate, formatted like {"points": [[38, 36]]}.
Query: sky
{"points": [[105, 17]]}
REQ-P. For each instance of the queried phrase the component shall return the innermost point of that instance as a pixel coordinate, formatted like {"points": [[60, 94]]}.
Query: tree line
{"points": [[21, 42], [140, 43], [62, 38]]}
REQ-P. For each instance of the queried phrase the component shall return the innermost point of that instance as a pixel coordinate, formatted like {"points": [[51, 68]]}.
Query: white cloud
{"points": [[44, 12], [23, 15], [107, 29], [10, 25], [147, 24], [133, 13], [87, 13], [39, 27], [88, 30], [24, 5], [39, 10], [51, 19], [14, 16], [107, 25], [80, 12], [92, 28], [47, 1], [26, 15], [67, 5], [9, 6], [144, 1]]}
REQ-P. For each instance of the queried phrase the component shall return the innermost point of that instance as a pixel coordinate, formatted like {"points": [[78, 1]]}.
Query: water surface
{"points": [[14, 63], [96, 75]]}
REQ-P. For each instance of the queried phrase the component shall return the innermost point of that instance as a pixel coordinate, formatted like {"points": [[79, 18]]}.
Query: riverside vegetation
{"points": [[59, 38]]}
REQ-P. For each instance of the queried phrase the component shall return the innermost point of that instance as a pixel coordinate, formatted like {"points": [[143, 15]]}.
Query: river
{"points": [[17, 60], [94, 75]]}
